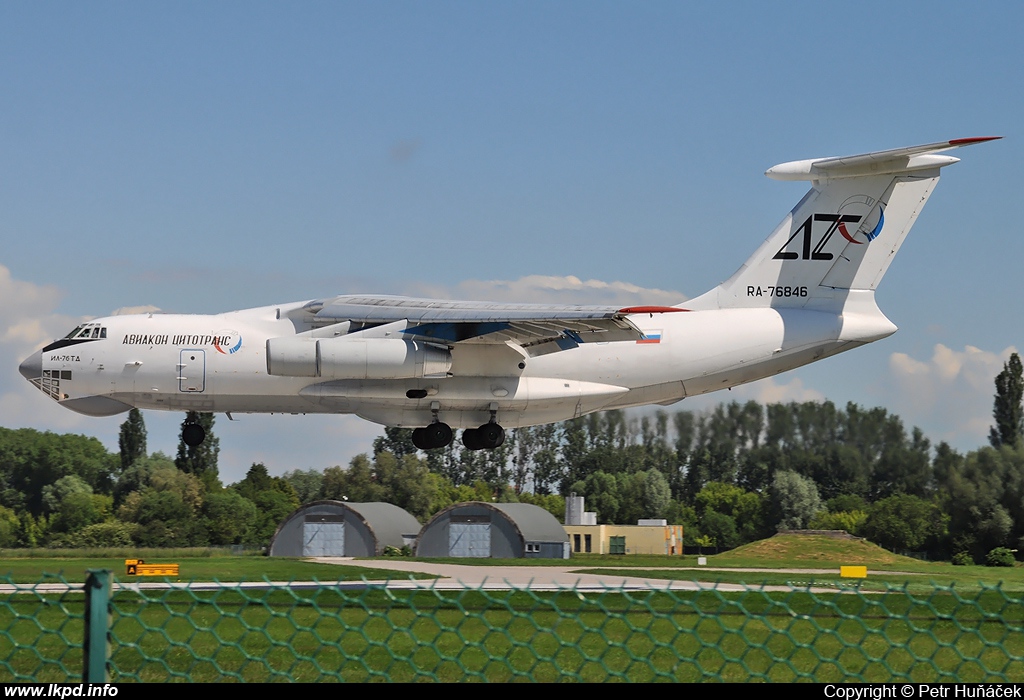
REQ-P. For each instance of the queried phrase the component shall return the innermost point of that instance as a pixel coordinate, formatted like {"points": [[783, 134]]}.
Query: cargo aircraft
{"points": [[807, 293]]}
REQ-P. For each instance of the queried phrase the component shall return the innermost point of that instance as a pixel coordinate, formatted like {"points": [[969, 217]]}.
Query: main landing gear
{"points": [[435, 435], [488, 436]]}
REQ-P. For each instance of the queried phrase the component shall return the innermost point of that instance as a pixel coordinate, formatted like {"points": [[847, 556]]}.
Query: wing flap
{"points": [[488, 322]]}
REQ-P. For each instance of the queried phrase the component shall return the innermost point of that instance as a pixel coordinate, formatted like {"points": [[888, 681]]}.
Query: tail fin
{"points": [[842, 236]]}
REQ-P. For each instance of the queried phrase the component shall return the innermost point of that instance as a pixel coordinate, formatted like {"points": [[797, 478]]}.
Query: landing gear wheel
{"points": [[471, 439], [437, 435], [419, 439], [192, 434], [490, 435]]}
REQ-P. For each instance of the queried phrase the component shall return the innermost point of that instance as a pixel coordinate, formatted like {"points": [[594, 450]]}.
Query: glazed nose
{"points": [[32, 367]]}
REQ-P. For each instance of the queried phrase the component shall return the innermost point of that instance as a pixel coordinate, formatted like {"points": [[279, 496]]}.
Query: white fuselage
{"points": [[218, 363]]}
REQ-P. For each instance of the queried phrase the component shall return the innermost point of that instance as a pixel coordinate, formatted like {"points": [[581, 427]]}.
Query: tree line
{"points": [[737, 473]]}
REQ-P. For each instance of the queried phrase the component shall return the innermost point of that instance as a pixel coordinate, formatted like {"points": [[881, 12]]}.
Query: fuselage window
{"points": [[103, 332]]}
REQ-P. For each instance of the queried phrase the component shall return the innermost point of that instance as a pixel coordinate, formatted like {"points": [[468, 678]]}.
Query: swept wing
{"points": [[528, 325]]}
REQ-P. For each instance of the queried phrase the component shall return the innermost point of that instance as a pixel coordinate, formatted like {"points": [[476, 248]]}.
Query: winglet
{"points": [[975, 139]]}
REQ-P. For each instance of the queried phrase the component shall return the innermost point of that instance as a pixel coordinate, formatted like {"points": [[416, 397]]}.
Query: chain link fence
{"points": [[53, 631]]}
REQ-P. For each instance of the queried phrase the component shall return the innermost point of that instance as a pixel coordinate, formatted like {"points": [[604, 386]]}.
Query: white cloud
{"points": [[128, 310], [553, 289], [764, 391], [770, 390], [950, 395], [28, 320]]}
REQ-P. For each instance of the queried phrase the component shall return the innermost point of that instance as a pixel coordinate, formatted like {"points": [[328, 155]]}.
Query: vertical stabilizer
{"points": [[839, 240]]}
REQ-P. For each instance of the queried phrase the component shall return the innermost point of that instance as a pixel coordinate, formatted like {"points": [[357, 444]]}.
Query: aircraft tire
{"points": [[192, 434], [470, 438], [490, 435], [437, 435], [419, 439]]}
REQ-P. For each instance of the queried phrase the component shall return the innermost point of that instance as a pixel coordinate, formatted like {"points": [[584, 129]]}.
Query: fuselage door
{"points": [[192, 371]]}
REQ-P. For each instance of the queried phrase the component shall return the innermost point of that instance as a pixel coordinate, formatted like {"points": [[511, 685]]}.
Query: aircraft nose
{"points": [[32, 367]]}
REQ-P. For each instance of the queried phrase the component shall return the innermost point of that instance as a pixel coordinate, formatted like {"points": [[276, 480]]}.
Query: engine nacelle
{"points": [[292, 357], [356, 358]]}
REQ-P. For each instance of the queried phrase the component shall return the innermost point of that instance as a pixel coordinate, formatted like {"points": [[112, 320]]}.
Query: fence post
{"points": [[96, 645]]}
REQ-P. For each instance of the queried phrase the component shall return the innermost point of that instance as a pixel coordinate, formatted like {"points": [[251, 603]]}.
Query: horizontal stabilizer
{"points": [[896, 160]]}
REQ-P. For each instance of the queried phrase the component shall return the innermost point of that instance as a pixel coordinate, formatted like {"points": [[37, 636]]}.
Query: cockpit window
{"points": [[88, 330]]}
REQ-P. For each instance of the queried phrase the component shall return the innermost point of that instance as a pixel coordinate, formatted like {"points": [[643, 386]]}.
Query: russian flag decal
{"points": [[650, 337]]}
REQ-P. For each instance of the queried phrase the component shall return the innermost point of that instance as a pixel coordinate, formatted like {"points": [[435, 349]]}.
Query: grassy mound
{"points": [[811, 551]]}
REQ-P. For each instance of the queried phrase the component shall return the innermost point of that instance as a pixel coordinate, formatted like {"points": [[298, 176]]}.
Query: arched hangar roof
{"points": [[533, 522]]}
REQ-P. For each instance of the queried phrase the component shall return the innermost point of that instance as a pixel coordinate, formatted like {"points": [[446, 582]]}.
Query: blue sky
{"points": [[202, 157]]}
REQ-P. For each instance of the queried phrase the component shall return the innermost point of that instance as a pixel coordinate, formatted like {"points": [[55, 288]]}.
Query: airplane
{"points": [[807, 293]]}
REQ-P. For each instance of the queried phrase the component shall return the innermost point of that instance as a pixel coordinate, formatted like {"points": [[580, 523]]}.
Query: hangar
{"points": [[342, 529], [499, 530]]}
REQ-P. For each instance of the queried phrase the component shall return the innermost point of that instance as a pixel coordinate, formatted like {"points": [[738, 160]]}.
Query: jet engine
{"points": [[356, 358]]}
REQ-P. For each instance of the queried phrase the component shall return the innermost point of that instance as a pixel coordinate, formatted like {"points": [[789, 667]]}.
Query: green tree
{"points": [[904, 522], [851, 521], [10, 525], [721, 528], [1008, 410], [795, 499], [166, 520], [272, 507], [200, 460], [601, 493], [397, 441], [357, 484], [307, 484], [656, 494], [30, 461], [229, 517], [406, 482], [132, 440], [137, 476]]}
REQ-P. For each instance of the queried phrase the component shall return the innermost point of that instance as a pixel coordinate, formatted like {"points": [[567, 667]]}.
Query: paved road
{"points": [[458, 576], [455, 577]]}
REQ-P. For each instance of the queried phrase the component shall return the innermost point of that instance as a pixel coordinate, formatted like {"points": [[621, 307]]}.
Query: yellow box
{"points": [[138, 567], [156, 570], [853, 571]]}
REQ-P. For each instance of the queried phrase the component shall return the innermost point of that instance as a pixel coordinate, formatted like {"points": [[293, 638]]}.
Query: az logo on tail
{"points": [[837, 222]]}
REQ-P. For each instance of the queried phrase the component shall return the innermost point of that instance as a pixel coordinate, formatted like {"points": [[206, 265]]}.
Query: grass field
{"points": [[885, 569], [329, 634], [913, 630]]}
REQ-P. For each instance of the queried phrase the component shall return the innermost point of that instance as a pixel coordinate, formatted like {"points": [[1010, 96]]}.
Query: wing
{"points": [[538, 328]]}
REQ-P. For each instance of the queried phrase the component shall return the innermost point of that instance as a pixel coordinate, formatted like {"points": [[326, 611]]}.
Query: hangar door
{"points": [[323, 536], [469, 536]]}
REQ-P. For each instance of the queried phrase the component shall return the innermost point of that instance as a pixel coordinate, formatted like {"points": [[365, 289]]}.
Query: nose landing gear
{"points": [[192, 434]]}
